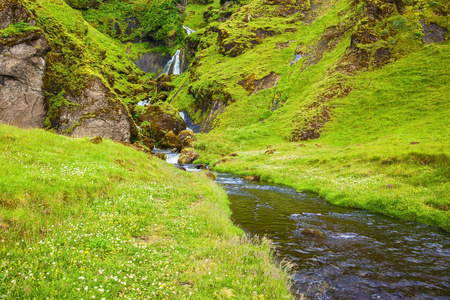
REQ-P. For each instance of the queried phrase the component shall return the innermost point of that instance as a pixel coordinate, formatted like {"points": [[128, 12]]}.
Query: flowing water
{"points": [[361, 255], [176, 64], [188, 30]]}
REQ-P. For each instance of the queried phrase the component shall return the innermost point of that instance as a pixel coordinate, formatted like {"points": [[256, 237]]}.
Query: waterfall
{"points": [[188, 30], [175, 65], [144, 102], [296, 59], [183, 116]]}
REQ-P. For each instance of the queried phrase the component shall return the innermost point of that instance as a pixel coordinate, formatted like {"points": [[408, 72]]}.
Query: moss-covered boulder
{"points": [[162, 118], [187, 156], [169, 141], [185, 139]]}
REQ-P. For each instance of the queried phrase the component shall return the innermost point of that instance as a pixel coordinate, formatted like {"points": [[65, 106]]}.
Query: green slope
{"points": [[79, 220], [365, 88]]}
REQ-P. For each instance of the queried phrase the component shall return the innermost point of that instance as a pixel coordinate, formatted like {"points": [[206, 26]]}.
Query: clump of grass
{"points": [[84, 220]]}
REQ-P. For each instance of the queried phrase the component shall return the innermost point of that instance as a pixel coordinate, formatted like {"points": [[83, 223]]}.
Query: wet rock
{"points": [[161, 156], [210, 175], [311, 232], [163, 119], [187, 156], [97, 140], [433, 33], [317, 289], [22, 65], [148, 142], [152, 62], [270, 151], [185, 139], [163, 83], [201, 167], [251, 178], [169, 141]]}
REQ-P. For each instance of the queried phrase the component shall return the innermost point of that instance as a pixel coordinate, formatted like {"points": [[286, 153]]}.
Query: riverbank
{"points": [[406, 181], [84, 220]]}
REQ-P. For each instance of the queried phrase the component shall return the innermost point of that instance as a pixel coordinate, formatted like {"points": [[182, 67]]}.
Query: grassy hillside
{"points": [[343, 116], [83, 220]]}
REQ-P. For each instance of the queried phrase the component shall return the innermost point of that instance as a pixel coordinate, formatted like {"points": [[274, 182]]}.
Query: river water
{"points": [[361, 255]]}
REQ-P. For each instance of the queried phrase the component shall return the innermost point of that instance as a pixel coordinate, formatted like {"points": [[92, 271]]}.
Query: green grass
{"points": [[366, 159], [83, 220]]}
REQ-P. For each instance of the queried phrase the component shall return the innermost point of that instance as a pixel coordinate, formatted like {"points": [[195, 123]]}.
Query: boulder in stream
{"points": [[185, 139], [161, 156], [187, 156], [251, 178], [169, 141], [210, 175], [311, 233]]}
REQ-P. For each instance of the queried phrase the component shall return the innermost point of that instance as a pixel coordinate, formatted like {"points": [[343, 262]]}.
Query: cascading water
{"points": [[175, 65], [188, 30], [183, 116], [144, 102], [296, 59]]}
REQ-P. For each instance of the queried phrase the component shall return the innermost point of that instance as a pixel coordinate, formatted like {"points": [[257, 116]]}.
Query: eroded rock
{"points": [[311, 233], [162, 119], [22, 66], [185, 139], [251, 178], [96, 114], [210, 175], [187, 156]]}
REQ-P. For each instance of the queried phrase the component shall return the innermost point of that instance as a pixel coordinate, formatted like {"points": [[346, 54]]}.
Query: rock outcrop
{"points": [[162, 120], [22, 67], [96, 114]]}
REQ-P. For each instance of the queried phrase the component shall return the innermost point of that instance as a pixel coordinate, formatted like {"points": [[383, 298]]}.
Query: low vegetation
{"points": [[84, 220]]}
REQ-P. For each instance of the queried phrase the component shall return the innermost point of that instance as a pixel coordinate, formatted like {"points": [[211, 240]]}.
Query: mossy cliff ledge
{"points": [[23, 50]]}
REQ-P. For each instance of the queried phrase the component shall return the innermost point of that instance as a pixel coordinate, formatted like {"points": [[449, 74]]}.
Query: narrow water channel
{"points": [[361, 255]]}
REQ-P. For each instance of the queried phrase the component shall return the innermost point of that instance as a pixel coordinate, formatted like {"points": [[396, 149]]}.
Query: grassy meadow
{"points": [[81, 221]]}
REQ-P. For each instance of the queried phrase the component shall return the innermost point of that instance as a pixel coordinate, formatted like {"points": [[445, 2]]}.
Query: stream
{"points": [[361, 255]]}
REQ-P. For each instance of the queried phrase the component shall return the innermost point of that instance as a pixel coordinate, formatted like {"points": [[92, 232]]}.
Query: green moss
{"points": [[17, 29]]}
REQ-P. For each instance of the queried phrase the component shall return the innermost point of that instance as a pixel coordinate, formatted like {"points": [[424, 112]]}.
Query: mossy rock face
{"points": [[185, 139], [12, 11], [85, 4], [187, 156], [202, 2], [162, 118], [23, 59], [96, 114], [169, 141], [148, 142]]}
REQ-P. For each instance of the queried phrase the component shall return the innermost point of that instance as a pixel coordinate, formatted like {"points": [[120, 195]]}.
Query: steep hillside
{"points": [[361, 86]]}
